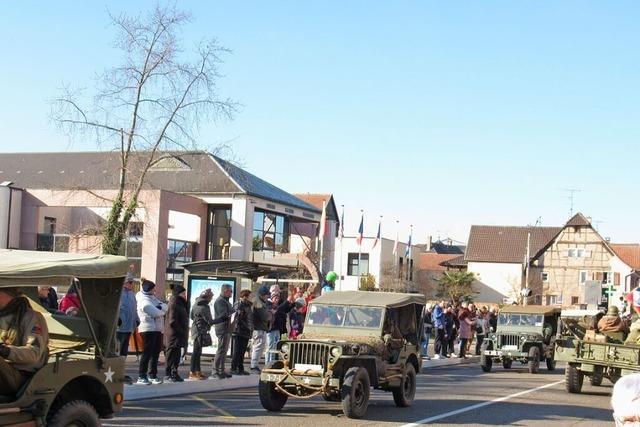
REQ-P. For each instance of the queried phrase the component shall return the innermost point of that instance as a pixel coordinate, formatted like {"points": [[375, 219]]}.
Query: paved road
{"points": [[457, 395]]}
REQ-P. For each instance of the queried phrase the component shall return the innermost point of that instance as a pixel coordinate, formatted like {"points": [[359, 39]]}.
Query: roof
{"points": [[455, 262], [578, 220], [316, 200], [189, 172], [376, 299], [507, 244], [433, 261], [16, 264], [531, 309], [629, 253], [244, 268]]}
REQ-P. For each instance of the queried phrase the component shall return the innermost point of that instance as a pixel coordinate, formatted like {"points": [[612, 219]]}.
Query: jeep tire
{"points": [[331, 397], [404, 395], [534, 360], [270, 398], [355, 392], [573, 378], [77, 413], [595, 378], [506, 363]]}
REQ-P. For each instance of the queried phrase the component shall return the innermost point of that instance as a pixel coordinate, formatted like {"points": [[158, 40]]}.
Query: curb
{"points": [[141, 392], [443, 363]]}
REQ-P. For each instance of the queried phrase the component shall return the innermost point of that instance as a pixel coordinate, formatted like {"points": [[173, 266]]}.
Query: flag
{"points": [[360, 231], [395, 245], [375, 242], [341, 230], [323, 221], [407, 252]]}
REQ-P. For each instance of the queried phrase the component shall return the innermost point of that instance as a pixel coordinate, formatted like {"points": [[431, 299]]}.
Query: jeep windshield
{"points": [[344, 316], [520, 319]]}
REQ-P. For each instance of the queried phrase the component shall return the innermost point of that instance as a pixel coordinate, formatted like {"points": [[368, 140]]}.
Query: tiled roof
{"points": [[433, 261], [629, 253], [578, 220], [506, 244], [455, 262], [317, 200], [195, 172]]}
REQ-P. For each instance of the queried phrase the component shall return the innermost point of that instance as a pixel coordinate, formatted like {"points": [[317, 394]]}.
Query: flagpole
{"points": [[360, 251], [322, 232], [395, 248], [341, 245]]}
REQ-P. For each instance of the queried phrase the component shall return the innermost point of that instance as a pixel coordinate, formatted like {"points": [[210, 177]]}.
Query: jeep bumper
{"points": [[313, 379], [509, 354]]}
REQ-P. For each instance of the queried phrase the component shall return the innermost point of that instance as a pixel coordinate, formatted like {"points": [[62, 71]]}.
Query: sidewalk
{"points": [[140, 392]]}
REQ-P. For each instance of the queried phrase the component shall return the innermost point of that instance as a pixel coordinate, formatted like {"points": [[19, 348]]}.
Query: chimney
{"points": [[607, 239], [429, 242]]}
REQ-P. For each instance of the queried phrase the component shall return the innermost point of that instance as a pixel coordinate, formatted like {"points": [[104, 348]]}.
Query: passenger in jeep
{"points": [[23, 340]]}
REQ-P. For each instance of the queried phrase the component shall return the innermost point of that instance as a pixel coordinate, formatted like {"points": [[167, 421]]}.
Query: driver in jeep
{"points": [[23, 341]]}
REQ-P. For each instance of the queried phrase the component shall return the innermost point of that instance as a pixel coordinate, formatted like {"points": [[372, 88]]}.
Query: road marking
{"points": [[205, 402], [480, 405]]}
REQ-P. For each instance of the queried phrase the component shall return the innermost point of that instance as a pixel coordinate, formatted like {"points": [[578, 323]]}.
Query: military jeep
{"points": [[525, 334], [83, 379], [352, 341]]}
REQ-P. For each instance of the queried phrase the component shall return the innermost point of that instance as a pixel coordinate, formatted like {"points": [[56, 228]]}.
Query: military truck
{"points": [[592, 354], [524, 334], [352, 341], [83, 379]]}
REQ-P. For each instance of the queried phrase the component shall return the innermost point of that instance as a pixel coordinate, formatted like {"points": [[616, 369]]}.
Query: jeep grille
{"points": [[309, 353], [509, 339]]}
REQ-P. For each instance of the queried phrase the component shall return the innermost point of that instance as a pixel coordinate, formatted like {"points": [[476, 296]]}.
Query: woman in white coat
{"points": [[151, 312]]}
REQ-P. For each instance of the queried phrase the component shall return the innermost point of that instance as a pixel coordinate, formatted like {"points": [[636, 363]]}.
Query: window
{"points": [[553, 299], [52, 242], [400, 267], [218, 232], [574, 300], [270, 232], [606, 277], [578, 253], [572, 253], [178, 253], [410, 273], [545, 276], [49, 225], [354, 264]]}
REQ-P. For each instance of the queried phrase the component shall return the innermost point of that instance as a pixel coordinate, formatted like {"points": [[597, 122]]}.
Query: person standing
{"points": [[279, 325], [242, 328], [449, 330], [439, 346], [151, 312], [262, 318], [466, 328], [222, 307], [273, 336], [482, 327], [48, 298], [200, 331], [128, 318], [426, 330], [296, 318], [176, 332]]}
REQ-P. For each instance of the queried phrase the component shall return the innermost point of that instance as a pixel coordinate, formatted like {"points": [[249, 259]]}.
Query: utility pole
{"points": [[525, 295]]}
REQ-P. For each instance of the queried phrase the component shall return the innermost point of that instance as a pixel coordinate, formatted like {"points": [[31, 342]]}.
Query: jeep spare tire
{"points": [[534, 360], [355, 392], [270, 398], [75, 413], [404, 395]]}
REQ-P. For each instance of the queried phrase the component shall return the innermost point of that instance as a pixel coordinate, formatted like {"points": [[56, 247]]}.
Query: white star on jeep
{"points": [[307, 381], [108, 376]]}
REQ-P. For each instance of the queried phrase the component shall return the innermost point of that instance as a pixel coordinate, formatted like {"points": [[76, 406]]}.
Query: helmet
{"points": [[331, 276], [264, 290]]}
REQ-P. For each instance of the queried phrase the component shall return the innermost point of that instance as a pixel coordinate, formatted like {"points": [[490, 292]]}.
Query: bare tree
{"points": [[153, 103]]}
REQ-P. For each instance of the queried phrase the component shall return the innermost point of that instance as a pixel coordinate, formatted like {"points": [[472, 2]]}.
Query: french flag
{"points": [[375, 242], [360, 231], [341, 230]]}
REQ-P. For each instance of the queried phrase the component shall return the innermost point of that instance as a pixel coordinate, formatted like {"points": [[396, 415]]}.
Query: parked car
{"points": [[83, 379], [525, 334], [352, 342]]}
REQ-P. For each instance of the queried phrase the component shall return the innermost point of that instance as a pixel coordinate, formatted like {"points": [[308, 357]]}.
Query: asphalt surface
{"points": [[457, 395]]}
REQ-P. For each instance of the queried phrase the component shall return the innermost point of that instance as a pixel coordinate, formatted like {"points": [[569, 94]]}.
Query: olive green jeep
{"points": [[352, 341], [83, 379], [592, 354], [524, 334]]}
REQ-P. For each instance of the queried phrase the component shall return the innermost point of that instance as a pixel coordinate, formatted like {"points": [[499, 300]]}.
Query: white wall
{"points": [[619, 266], [498, 277], [10, 221]]}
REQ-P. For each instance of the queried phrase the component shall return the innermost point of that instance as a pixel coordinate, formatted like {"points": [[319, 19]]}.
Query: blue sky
{"points": [[434, 114]]}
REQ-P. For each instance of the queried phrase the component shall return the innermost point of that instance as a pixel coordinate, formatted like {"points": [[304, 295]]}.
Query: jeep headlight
{"points": [[523, 338], [284, 348], [493, 337], [336, 351]]}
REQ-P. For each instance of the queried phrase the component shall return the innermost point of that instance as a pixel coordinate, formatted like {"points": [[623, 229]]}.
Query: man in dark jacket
{"points": [[222, 307], [176, 332], [200, 331], [242, 328], [262, 317]]}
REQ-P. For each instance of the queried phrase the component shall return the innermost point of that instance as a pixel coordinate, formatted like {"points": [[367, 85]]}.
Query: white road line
{"points": [[479, 405]]}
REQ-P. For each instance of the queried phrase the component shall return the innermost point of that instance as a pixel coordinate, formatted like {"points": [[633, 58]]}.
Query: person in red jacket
{"points": [[70, 304]]}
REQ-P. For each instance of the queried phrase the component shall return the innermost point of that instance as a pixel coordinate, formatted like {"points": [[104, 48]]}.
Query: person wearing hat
{"points": [[262, 318], [128, 318], [296, 318], [611, 321], [202, 321], [241, 331], [151, 312], [329, 283], [279, 324], [23, 341], [176, 332]]}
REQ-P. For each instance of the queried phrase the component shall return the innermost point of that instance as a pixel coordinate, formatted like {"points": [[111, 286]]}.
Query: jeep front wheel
{"points": [[596, 376], [75, 413], [355, 392], [506, 363], [403, 395], [573, 378], [534, 360], [270, 398]]}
